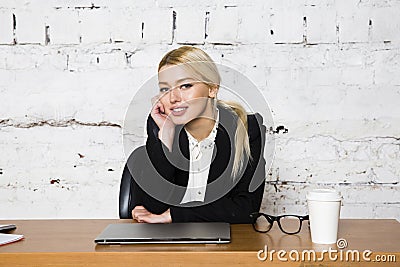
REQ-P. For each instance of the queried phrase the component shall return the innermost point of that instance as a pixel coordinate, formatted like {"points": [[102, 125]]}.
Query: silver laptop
{"points": [[173, 233]]}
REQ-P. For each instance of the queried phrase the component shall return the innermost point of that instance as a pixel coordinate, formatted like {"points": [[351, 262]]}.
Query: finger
{"points": [[134, 216], [142, 213], [162, 109], [136, 210], [147, 218], [139, 208], [156, 108], [154, 218]]}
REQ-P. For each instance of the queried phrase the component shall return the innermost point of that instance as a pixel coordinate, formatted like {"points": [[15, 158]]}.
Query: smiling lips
{"points": [[179, 111]]}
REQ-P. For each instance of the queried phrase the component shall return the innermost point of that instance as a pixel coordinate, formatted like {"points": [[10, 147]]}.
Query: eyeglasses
{"points": [[289, 224]]}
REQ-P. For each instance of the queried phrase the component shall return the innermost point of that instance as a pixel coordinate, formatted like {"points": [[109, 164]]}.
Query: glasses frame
{"points": [[271, 219]]}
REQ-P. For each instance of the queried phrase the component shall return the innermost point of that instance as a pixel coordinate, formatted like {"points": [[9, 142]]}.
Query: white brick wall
{"points": [[57, 21], [30, 27], [330, 71], [189, 19], [6, 29], [321, 25], [223, 25]]}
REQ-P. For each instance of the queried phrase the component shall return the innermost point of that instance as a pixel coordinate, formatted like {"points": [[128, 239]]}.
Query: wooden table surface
{"points": [[70, 243]]}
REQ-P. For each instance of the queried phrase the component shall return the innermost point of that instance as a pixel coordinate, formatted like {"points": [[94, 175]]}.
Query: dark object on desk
{"points": [[173, 233], [4, 228], [289, 224]]}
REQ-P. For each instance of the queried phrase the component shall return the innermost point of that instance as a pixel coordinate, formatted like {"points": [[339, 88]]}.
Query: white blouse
{"points": [[200, 161]]}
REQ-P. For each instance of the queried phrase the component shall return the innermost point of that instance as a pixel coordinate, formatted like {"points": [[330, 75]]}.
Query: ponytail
{"points": [[242, 144]]}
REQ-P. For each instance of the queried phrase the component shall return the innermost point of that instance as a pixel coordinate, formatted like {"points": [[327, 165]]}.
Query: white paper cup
{"points": [[324, 211]]}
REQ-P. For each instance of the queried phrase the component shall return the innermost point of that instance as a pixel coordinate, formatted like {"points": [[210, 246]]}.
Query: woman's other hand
{"points": [[164, 123], [142, 215]]}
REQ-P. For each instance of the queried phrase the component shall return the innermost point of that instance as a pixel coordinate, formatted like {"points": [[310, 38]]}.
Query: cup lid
{"points": [[324, 195]]}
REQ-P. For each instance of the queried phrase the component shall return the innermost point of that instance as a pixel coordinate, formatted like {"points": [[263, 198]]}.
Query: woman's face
{"points": [[184, 98]]}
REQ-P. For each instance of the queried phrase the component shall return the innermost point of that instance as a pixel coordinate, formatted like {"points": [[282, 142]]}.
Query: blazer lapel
{"points": [[219, 177]]}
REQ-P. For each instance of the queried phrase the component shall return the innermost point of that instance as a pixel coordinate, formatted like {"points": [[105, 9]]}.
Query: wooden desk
{"points": [[70, 243]]}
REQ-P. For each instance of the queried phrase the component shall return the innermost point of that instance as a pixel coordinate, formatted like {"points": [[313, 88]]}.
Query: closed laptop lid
{"points": [[139, 233]]}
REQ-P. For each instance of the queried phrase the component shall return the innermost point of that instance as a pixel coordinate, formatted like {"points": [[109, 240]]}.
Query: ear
{"points": [[213, 90]]}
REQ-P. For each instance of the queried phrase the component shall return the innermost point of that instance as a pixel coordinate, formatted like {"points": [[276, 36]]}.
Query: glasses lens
{"points": [[290, 224], [262, 224]]}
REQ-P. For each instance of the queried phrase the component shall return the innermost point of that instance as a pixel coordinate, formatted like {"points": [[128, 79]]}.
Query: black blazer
{"points": [[171, 168]]}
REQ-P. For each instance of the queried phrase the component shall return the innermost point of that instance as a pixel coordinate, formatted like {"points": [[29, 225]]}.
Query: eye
{"points": [[164, 90], [186, 86]]}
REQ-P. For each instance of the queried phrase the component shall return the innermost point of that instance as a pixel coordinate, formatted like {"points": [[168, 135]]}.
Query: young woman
{"points": [[208, 149]]}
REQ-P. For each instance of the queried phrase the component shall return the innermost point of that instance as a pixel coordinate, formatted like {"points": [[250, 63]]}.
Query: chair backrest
{"points": [[125, 192]]}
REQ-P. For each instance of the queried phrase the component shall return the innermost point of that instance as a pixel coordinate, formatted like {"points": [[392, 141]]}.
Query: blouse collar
{"points": [[209, 141]]}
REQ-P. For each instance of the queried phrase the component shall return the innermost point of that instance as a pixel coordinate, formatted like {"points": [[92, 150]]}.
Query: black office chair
{"points": [[125, 194]]}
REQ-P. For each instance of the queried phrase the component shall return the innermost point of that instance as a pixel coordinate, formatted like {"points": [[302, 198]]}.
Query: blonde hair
{"points": [[205, 70]]}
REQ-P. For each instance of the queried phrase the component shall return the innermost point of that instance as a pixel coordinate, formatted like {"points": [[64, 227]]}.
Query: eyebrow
{"points": [[178, 81]]}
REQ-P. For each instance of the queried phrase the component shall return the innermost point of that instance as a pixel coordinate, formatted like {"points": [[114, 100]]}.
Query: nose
{"points": [[175, 95]]}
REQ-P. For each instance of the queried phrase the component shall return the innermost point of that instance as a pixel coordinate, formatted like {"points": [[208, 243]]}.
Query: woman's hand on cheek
{"points": [[164, 123], [158, 111]]}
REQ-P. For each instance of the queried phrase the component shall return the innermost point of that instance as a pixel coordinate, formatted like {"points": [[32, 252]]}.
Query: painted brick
{"points": [[73, 180], [387, 173], [376, 194], [149, 57], [349, 56], [95, 26], [320, 3], [78, 95], [184, 3], [223, 26], [321, 25], [388, 72], [357, 76], [126, 25], [97, 61], [278, 58], [157, 26], [390, 211], [25, 57], [324, 76], [188, 19], [355, 210], [30, 27], [351, 19], [6, 27], [61, 20], [287, 25], [254, 25], [385, 24]]}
